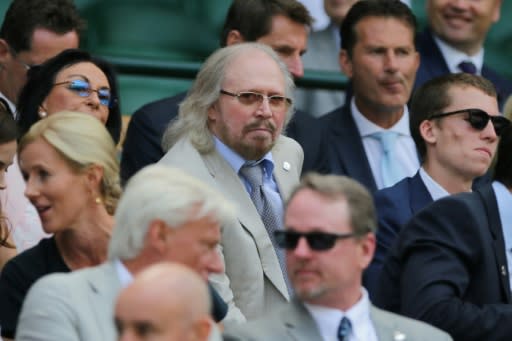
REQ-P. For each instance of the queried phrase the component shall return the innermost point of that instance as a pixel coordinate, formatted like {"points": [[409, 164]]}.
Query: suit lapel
{"points": [[299, 323], [104, 286], [494, 224], [419, 195], [230, 184], [386, 328], [347, 147], [432, 59]]}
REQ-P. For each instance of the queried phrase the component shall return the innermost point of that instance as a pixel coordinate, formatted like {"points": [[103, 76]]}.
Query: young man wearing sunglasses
{"points": [[456, 124], [451, 265], [329, 239]]}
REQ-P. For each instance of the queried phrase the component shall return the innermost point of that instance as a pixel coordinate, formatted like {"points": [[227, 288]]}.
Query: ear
{"points": [[497, 11], [213, 112], [156, 235], [345, 63], [5, 53], [94, 177], [368, 243], [203, 328], [234, 37], [428, 132]]}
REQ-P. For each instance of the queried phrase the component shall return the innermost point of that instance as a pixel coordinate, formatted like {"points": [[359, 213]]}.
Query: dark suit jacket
{"points": [[433, 65], [448, 268], [344, 151], [395, 207], [147, 126]]}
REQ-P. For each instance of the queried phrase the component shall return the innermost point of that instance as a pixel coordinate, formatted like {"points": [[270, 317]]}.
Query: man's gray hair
{"points": [[192, 120], [162, 193]]}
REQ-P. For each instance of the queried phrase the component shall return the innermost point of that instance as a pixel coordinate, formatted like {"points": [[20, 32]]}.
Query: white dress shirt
{"points": [[504, 200], [328, 320], [405, 146], [436, 190], [454, 57]]}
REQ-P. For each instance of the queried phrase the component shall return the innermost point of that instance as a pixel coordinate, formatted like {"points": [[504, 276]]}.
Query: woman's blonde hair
{"points": [[82, 141]]}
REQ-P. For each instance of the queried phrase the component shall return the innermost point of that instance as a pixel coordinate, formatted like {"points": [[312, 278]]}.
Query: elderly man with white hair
{"points": [[161, 211]]}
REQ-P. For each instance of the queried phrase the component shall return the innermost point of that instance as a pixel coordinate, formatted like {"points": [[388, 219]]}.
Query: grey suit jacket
{"points": [[253, 283], [72, 306], [294, 323]]}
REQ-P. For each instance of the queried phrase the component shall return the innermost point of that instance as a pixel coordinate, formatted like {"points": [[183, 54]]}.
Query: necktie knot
{"points": [[344, 329], [387, 139], [467, 67], [253, 173]]}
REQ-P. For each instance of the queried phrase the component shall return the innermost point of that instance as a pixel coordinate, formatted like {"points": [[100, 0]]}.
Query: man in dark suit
{"points": [[281, 24], [450, 266], [454, 153], [454, 39], [379, 57], [329, 239]]}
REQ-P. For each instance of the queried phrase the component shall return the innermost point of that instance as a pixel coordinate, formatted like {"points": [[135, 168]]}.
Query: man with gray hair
{"points": [[228, 134], [161, 210], [329, 238]]}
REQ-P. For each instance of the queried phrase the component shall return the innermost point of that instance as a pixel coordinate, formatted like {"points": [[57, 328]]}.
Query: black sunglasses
{"points": [[479, 119], [318, 241]]}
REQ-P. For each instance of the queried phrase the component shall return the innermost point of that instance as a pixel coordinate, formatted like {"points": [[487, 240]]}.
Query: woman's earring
{"points": [[43, 114]]}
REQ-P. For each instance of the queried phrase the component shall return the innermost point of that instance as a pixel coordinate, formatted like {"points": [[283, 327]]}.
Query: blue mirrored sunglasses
{"points": [[83, 89]]}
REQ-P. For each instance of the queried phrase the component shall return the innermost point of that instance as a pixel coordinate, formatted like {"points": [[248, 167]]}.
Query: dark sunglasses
{"points": [[83, 89], [479, 119], [318, 241]]}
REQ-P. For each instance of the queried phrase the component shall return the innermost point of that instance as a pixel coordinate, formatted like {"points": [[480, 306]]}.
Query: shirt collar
{"points": [[328, 319], [11, 105], [435, 189], [125, 276], [236, 161], [454, 57], [367, 127]]}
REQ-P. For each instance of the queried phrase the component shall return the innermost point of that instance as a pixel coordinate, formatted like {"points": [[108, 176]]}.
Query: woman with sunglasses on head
{"points": [[70, 166], [8, 145]]}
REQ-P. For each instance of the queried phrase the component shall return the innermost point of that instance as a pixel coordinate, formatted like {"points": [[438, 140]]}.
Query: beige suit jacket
{"points": [[253, 283], [294, 323]]}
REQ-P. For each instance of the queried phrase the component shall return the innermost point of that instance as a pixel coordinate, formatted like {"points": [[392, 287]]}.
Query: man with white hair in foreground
{"points": [[161, 210]]}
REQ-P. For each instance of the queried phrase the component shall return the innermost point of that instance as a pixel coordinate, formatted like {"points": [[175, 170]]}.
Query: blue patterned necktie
{"points": [[467, 67], [390, 167], [253, 173], [344, 329]]}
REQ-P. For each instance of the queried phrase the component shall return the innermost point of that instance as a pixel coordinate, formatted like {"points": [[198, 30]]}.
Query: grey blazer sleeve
{"points": [[47, 313]]}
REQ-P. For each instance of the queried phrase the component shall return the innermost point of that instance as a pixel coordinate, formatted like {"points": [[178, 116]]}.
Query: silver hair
{"points": [[162, 193], [192, 120]]}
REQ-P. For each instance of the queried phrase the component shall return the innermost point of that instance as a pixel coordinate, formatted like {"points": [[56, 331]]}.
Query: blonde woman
{"points": [[71, 171]]}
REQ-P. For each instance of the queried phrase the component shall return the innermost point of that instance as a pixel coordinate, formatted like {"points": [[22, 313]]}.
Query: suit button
{"points": [[503, 270]]}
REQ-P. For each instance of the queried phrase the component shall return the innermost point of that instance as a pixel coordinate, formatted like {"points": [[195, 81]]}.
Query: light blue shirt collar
{"points": [[124, 275]]}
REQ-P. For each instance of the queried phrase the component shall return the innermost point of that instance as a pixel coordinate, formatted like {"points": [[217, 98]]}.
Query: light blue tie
{"points": [[390, 167], [344, 329]]}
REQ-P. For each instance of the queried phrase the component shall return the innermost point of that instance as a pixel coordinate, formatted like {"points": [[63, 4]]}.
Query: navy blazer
{"points": [[448, 268], [433, 65], [395, 205], [147, 125], [344, 151]]}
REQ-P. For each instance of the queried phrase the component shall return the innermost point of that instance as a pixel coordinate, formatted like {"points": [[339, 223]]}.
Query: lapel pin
{"points": [[398, 336], [286, 166]]}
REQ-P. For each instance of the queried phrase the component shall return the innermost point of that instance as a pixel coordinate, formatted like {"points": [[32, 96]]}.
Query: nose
{"points": [[30, 189], [264, 108], [215, 265], [459, 5], [296, 67], [302, 250], [93, 99], [390, 62], [489, 132]]}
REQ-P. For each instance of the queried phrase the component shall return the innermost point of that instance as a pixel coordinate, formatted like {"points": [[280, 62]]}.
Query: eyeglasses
{"points": [[83, 89], [318, 241], [479, 119], [249, 98]]}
